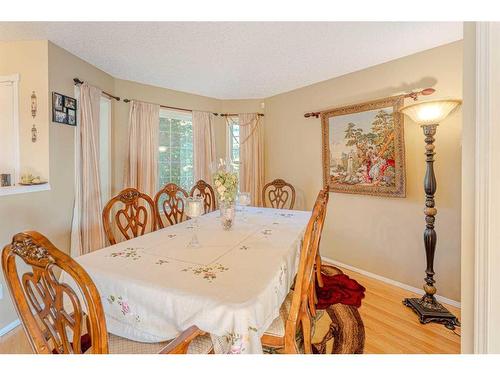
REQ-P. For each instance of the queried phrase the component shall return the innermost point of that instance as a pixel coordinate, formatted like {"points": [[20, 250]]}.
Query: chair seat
{"points": [[277, 327], [273, 340], [120, 345]]}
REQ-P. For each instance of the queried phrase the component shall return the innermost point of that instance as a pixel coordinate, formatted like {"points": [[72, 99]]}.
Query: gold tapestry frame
{"points": [[399, 190]]}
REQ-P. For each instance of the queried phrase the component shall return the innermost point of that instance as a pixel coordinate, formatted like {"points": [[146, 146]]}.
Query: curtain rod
{"points": [[414, 95], [236, 114], [176, 108], [77, 81]]}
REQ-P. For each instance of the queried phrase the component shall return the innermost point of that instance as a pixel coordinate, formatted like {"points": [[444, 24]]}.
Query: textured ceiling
{"points": [[233, 60]]}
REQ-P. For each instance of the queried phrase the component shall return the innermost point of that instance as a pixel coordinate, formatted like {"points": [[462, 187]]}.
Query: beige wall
{"points": [[380, 235], [242, 106], [29, 59], [376, 234], [24, 211], [49, 212], [147, 93]]}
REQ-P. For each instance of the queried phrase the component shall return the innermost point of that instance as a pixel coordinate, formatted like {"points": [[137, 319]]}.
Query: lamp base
{"points": [[432, 312]]}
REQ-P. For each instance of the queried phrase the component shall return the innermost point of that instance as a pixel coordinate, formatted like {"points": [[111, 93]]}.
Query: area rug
{"points": [[338, 327]]}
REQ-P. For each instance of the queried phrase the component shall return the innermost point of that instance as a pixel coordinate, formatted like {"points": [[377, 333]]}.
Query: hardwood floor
{"points": [[15, 342], [393, 328], [390, 327]]}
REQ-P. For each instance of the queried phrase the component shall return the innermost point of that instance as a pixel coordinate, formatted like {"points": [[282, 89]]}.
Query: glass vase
{"points": [[227, 214]]}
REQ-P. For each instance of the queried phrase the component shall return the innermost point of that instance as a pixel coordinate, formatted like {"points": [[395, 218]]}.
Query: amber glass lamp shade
{"points": [[430, 112]]}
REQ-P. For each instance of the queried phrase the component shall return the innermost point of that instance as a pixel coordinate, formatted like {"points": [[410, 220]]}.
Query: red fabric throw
{"points": [[339, 289]]}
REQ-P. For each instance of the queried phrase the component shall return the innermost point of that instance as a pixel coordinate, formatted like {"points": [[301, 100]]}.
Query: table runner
{"points": [[153, 287]]}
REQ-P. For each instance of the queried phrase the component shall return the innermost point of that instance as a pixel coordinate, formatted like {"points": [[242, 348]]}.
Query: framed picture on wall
{"points": [[57, 101], [63, 109], [363, 148], [71, 117]]}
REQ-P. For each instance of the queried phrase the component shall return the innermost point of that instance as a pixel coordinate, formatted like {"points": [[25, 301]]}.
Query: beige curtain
{"points": [[204, 145], [252, 156], [141, 168], [87, 232]]}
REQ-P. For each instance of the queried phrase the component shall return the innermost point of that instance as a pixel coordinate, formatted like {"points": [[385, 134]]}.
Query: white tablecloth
{"points": [[153, 287]]}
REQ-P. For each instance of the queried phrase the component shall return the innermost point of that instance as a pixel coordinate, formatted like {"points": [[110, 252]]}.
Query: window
{"points": [[175, 162], [9, 130], [233, 143]]}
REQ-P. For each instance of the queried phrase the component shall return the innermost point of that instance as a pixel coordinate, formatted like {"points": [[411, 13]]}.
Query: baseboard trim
{"points": [[390, 281], [9, 327]]}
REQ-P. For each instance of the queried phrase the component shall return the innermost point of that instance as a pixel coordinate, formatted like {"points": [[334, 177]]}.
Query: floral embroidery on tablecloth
{"points": [[207, 272], [237, 341], [129, 252], [244, 247], [171, 236], [124, 306], [161, 261], [281, 279]]}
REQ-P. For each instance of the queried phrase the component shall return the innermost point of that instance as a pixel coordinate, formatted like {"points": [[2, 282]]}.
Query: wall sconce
{"points": [[33, 114], [33, 105]]}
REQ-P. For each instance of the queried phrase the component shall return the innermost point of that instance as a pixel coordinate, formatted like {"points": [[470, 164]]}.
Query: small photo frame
{"points": [[61, 117], [58, 101], [71, 117], [63, 109], [70, 103]]}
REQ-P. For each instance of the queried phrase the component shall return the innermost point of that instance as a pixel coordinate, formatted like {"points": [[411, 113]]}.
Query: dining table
{"points": [[231, 286]]}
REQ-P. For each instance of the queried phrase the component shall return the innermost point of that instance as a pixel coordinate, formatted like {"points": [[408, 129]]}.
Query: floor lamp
{"points": [[428, 115]]}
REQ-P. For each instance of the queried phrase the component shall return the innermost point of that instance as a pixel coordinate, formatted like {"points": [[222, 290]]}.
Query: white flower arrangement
{"points": [[226, 186]]}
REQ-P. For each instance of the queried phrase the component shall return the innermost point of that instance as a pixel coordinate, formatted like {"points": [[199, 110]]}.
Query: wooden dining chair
{"points": [[295, 314], [318, 279], [203, 189], [278, 194], [58, 320], [171, 200], [322, 200], [134, 217]]}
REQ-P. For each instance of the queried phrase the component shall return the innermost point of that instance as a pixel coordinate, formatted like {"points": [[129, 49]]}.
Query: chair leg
{"points": [[312, 300], [318, 271], [306, 331]]}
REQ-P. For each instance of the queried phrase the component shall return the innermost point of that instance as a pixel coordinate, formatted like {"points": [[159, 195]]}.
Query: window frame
{"points": [[13, 79], [15, 188]]}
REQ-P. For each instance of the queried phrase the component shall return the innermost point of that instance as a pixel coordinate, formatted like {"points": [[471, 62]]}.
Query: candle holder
{"points": [[194, 209], [244, 200]]}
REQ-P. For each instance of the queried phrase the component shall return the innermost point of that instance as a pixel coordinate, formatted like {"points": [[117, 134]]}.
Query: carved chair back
{"points": [[206, 191], [171, 200], [134, 216], [300, 315], [51, 312], [278, 194]]}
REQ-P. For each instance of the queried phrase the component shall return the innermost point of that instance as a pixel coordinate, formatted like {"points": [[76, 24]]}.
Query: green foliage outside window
{"points": [[175, 162]]}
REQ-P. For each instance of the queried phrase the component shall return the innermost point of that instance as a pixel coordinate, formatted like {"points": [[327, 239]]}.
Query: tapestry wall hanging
{"points": [[363, 148]]}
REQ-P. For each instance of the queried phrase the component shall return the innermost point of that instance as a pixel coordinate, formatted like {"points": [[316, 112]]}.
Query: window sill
{"points": [[19, 189]]}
